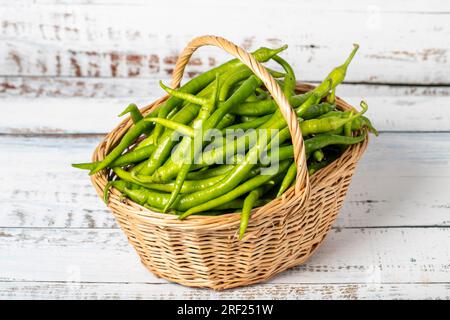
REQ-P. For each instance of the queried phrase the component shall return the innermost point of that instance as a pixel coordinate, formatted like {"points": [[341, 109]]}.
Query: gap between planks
{"points": [[378, 256], [52, 78]]}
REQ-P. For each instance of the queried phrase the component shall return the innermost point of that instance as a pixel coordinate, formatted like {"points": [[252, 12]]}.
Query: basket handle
{"points": [[302, 181]]}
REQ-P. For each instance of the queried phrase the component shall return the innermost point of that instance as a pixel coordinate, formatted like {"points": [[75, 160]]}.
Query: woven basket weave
{"points": [[204, 251]]}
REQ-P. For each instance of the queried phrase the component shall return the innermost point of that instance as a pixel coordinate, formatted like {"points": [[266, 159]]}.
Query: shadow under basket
{"points": [[204, 251]]}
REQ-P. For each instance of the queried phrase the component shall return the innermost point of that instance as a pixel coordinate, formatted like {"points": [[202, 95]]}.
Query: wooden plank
{"points": [[81, 40], [403, 179], [376, 256], [137, 291], [44, 190], [407, 6], [92, 105], [131, 88]]}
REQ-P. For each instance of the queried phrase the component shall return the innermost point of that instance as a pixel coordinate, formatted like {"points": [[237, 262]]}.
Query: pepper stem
{"points": [[278, 50], [364, 107], [131, 107], [350, 57]]}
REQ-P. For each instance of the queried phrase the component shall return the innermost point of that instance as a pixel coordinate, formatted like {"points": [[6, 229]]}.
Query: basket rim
{"points": [[198, 221]]}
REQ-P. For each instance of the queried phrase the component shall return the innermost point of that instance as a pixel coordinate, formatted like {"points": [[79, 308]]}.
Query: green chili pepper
{"points": [[219, 154], [335, 113], [252, 98], [118, 184], [161, 153], [175, 126], [256, 108], [134, 111], [150, 139], [231, 81], [357, 123], [167, 140], [249, 201], [323, 140], [171, 167], [226, 121], [326, 124], [198, 83], [217, 171], [335, 77], [318, 155], [157, 200], [249, 124], [361, 122], [317, 110], [129, 137], [348, 126], [247, 207], [289, 79], [238, 76], [288, 179], [183, 95], [195, 85], [207, 109], [125, 159], [228, 195], [331, 98], [144, 196], [245, 119], [231, 180], [188, 186]]}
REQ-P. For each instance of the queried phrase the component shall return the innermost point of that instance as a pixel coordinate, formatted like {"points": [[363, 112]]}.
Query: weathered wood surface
{"points": [[391, 108], [69, 67], [59, 241], [114, 39], [149, 89], [135, 291], [373, 255]]}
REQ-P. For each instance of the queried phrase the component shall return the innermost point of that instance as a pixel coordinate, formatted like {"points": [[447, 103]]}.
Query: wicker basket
{"points": [[204, 251]]}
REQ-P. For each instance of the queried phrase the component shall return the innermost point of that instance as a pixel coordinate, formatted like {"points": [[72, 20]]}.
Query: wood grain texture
{"points": [[137, 291], [410, 6], [95, 40], [380, 255], [69, 67], [47, 105], [402, 180], [132, 88]]}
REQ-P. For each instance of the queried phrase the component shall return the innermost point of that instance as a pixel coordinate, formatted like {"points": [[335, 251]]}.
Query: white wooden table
{"points": [[66, 70]]}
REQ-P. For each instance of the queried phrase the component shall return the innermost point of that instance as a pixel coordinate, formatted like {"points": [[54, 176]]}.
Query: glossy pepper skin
{"points": [[317, 110]]}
